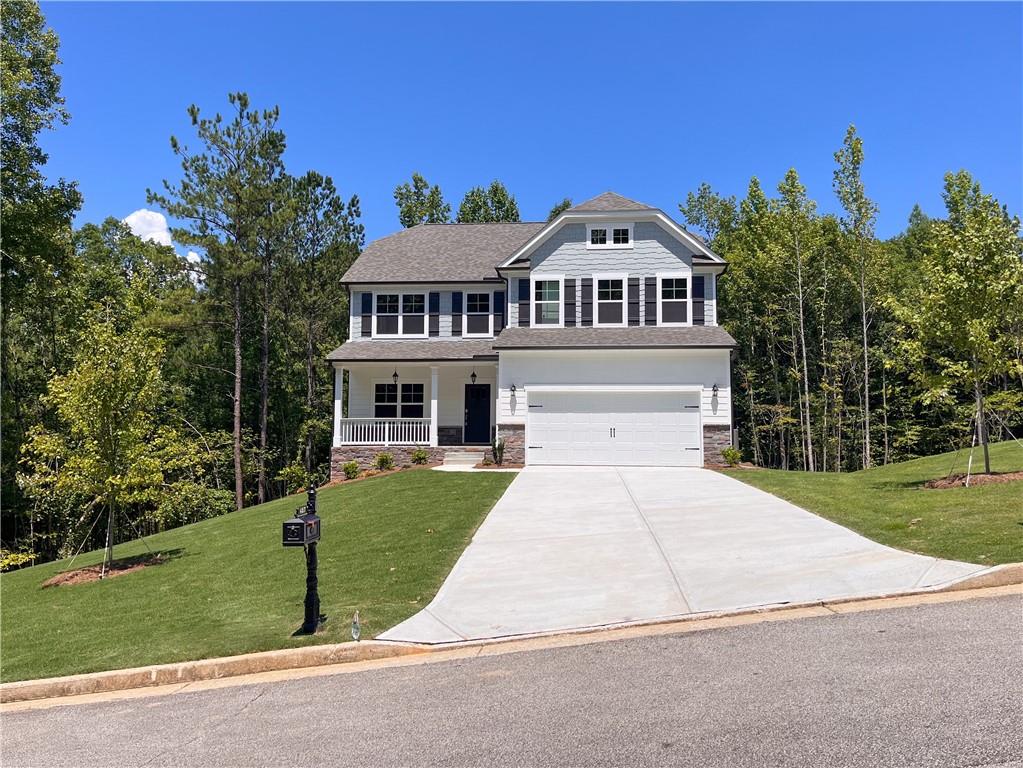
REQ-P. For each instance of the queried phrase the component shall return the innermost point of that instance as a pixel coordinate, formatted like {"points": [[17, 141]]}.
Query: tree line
{"points": [[855, 350]]}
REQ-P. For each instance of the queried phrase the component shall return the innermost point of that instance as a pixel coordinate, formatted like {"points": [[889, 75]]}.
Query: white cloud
{"points": [[150, 225], [193, 257]]}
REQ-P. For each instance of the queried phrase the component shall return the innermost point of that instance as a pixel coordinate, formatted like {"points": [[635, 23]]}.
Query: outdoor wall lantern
{"points": [[512, 390], [472, 377], [394, 376], [304, 531], [714, 389]]}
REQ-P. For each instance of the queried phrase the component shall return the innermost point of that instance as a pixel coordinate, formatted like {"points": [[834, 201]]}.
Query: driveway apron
{"points": [[576, 547]]}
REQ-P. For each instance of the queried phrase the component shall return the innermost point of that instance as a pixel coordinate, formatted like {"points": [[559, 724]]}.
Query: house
{"points": [[591, 339]]}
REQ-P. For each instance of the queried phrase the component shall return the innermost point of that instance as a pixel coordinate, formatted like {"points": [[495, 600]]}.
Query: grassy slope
{"points": [[230, 587], [980, 525]]}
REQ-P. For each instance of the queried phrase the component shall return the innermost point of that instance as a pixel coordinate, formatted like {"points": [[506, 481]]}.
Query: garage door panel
{"points": [[626, 428]]}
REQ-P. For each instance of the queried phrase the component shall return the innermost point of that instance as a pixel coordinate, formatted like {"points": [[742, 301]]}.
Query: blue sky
{"points": [[554, 100]]}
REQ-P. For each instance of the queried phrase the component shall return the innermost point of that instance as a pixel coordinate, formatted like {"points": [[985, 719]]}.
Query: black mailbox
{"points": [[301, 530]]}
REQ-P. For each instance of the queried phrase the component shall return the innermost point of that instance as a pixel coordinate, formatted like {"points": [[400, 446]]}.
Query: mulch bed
{"points": [[92, 573], [959, 481]]}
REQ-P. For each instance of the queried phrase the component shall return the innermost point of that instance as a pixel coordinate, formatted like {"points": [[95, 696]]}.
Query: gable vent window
{"points": [[674, 300], [610, 301], [409, 321], [609, 236], [477, 314]]}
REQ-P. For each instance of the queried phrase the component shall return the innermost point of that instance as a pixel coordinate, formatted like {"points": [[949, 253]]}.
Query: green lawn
{"points": [[982, 524], [229, 587]]}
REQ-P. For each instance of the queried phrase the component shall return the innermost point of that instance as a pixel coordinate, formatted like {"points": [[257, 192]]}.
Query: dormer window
{"points": [[609, 236]]}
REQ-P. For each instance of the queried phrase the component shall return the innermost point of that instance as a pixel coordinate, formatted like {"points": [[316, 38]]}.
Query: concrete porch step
{"points": [[464, 456]]}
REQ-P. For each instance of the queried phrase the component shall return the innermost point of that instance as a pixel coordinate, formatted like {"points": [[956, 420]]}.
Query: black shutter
{"points": [[434, 314], [456, 313], [587, 301], [367, 314], [499, 311], [650, 301], [698, 298], [569, 302], [633, 301], [523, 302]]}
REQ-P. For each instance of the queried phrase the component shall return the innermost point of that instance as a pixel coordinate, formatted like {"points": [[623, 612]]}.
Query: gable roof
{"points": [[440, 253], [610, 201]]}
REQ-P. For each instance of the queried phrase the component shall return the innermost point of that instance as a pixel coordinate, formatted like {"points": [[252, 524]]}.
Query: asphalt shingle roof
{"points": [[639, 337], [440, 252], [610, 201], [398, 350]]}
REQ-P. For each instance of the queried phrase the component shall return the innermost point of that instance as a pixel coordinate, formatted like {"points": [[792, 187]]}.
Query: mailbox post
{"points": [[304, 531]]}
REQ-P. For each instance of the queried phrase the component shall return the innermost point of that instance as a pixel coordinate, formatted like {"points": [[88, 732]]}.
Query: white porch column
{"points": [[434, 428], [339, 388]]}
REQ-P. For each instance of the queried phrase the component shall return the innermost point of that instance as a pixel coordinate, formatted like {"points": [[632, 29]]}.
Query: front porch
{"points": [[397, 407]]}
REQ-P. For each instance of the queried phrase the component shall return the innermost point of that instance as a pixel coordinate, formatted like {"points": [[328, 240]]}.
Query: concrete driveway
{"points": [[575, 547]]}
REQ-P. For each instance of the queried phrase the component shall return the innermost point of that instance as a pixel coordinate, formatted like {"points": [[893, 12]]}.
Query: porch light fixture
{"points": [[714, 389], [394, 376], [472, 377], [512, 389]]}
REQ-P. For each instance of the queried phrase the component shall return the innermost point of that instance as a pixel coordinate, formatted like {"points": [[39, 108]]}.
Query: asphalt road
{"points": [[933, 685]]}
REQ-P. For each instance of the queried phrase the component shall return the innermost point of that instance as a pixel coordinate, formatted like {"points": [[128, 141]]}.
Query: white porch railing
{"points": [[385, 432]]}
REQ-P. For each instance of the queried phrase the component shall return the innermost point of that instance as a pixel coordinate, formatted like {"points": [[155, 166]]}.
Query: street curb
{"points": [[373, 650], [203, 669]]}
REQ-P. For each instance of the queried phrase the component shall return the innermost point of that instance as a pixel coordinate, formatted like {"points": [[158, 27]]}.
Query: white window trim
{"points": [[610, 245], [389, 380], [624, 277], [466, 314], [533, 279], [401, 315], [689, 297]]}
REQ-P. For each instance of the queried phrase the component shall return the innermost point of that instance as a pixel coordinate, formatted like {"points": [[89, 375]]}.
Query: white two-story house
{"points": [[590, 339]]}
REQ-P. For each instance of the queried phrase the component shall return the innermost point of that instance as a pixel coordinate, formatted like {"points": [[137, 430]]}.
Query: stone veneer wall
{"points": [[364, 454], [716, 437], [514, 436], [449, 435]]}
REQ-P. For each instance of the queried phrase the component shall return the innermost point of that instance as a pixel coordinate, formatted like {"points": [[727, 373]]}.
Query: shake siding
{"points": [[654, 250]]}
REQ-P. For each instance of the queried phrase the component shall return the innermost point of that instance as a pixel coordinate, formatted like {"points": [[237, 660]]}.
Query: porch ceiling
{"points": [[411, 350]]}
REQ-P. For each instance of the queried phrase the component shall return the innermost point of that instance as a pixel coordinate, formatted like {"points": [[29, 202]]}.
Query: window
{"points": [[547, 300], [413, 310], [477, 310], [609, 236], [387, 313], [412, 401], [610, 301], [674, 300], [386, 403], [410, 321]]}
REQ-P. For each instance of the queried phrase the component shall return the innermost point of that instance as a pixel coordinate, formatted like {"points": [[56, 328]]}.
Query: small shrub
{"points": [[732, 456], [351, 469], [384, 461], [11, 559], [498, 448], [487, 462], [294, 477], [420, 456]]}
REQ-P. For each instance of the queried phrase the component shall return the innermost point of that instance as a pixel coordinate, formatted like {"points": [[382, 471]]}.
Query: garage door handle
{"points": [[692, 449]]}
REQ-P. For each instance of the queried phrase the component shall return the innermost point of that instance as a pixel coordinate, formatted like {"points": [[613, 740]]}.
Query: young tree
{"points": [[222, 197], [962, 319], [559, 209], [419, 203], [108, 449], [860, 215], [481, 206]]}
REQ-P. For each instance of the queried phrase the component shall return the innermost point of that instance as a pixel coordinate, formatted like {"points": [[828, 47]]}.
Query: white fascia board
{"points": [[611, 216], [614, 387]]}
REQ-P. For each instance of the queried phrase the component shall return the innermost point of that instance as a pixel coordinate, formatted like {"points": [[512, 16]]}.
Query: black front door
{"points": [[477, 413]]}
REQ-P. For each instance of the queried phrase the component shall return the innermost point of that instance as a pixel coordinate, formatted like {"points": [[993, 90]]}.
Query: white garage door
{"points": [[626, 428]]}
